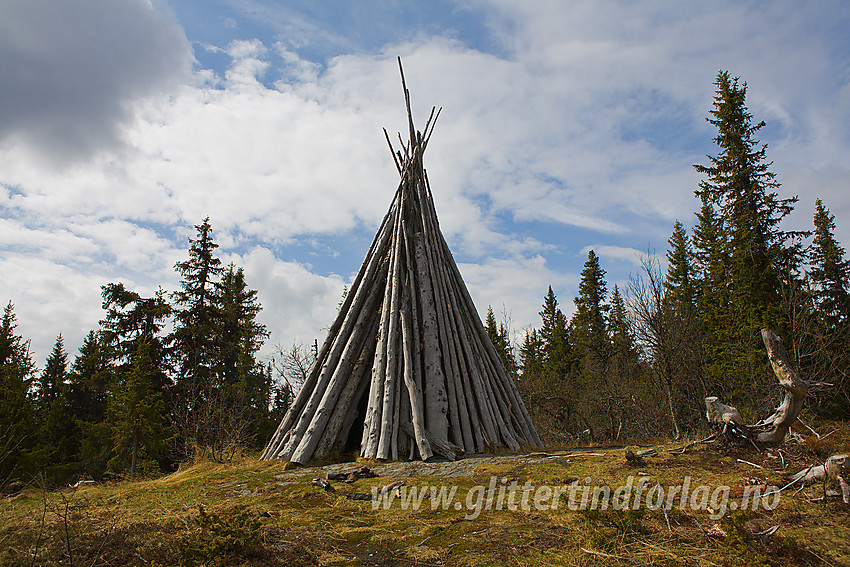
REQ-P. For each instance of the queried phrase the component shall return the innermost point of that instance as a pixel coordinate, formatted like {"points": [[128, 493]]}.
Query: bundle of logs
{"points": [[407, 369]]}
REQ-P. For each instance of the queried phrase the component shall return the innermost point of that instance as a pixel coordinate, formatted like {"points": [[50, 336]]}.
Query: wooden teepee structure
{"points": [[407, 369]]}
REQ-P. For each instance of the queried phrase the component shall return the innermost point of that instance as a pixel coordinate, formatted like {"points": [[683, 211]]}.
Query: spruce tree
{"points": [[828, 338], [830, 272], [130, 318], [52, 378], [681, 278], [742, 251], [500, 338], [138, 415], [194, 332], [17, 420], [241, 379], [622, 341], [590, 385], [58, 434], [531, 354], [90, 381], [237, 336], [590, 322], [554, 336], [132, 330]]}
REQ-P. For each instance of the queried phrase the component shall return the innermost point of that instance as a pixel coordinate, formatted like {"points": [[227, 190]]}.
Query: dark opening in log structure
{"points": [[407, 369]]}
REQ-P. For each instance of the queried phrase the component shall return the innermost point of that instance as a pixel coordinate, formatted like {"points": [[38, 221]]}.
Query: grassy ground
{"points": [[259, 513]]}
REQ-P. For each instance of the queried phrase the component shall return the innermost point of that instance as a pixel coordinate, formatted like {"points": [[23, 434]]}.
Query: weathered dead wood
{"points": [[445, 448], [775, 428], [531, 437], [436, 401], [414, 392], [386, 442], [351, 353], [836, 470], [447, 346], [374, 412]]}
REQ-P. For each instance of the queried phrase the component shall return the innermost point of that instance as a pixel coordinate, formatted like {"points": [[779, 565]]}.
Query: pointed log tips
{"points": [[417, 141]]}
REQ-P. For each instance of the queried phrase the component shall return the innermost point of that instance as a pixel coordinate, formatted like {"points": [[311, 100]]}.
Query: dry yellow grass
{"points": [[154, 521]]}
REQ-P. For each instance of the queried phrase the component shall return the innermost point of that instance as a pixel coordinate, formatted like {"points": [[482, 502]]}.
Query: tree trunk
{"points": [[775, 428]]}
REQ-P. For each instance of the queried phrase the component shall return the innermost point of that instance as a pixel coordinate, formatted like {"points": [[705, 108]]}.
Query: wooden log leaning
{"points": [[414, 393], [445, 448], [436, 400], [372, 422], [385, 445], [775, 428]]}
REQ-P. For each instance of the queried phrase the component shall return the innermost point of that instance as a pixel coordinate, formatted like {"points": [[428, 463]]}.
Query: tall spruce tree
{"points": [[193, 345], [58, 434], [830, 272], [90, 381], [590, 322], [681, 280], [590, 340], [742, 285], [193, 338], [554, 336], [52, 378], [17, 420], [622, 341], [237, 339], [136, 411], [828, 337]]}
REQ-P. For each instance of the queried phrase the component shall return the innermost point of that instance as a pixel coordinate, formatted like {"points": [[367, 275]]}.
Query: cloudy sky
{"points": [[566, 126]]}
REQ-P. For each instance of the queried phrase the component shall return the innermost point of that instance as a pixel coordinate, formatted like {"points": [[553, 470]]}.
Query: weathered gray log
{"points": [[448, 346], [835, 469], [386, 441], [718, 413], [775, 428], [436, 401], [445, 448], [414, 393], [372, 422], [459, 408]]}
